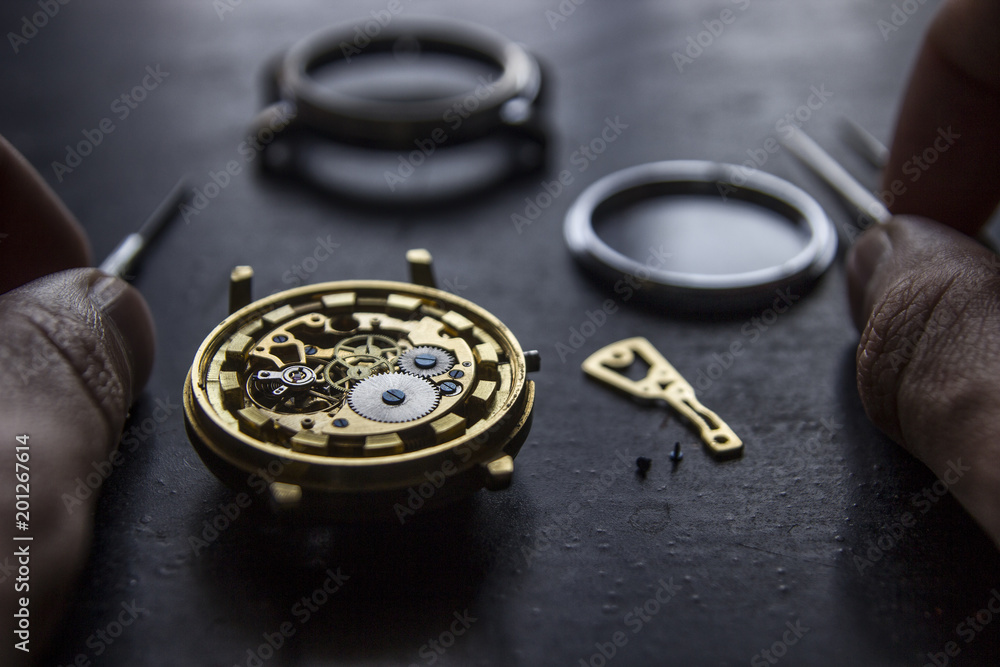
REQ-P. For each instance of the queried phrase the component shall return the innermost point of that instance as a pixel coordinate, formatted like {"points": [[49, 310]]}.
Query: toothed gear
{"points": [[393, 397], [366, 345], [426, 361]]}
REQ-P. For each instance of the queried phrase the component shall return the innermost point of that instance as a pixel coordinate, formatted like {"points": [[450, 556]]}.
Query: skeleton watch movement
{"points": [[360, 399]]}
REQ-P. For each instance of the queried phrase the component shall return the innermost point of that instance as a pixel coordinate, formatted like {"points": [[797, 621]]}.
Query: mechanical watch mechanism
{"points": [[360, 399]]}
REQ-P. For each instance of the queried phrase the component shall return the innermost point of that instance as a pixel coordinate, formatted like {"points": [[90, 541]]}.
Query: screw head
{"points": [[425, 361], [457, 373], [280, 338], [393, 396], [449, 388], [340, 423]]}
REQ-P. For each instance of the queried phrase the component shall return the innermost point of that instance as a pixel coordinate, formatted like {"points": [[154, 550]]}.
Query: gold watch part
{"points": [[347, 396], [662, 382]]}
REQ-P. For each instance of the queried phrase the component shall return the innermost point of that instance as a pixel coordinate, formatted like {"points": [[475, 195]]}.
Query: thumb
{"points": [[76, 346], [927, 299]]}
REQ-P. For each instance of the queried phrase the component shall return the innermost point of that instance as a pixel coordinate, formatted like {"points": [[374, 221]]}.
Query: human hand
{"points": [[926, 297], [76, 346]]}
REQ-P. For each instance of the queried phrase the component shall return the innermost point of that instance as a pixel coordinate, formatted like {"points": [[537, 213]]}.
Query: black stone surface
{"points": [[554, 567]]}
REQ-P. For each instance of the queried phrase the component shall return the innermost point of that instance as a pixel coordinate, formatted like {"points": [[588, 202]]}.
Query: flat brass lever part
{"points": [[662, 382]]}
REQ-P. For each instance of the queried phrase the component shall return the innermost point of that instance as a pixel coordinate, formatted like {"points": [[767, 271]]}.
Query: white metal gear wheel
{"points": [[426, 361], [393, 397]]}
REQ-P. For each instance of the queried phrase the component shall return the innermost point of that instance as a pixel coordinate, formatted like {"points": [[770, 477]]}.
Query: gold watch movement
{"points": [[360, 399]]}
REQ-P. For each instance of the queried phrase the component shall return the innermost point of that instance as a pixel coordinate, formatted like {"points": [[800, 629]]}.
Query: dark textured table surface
{"points": [[741, 550]]}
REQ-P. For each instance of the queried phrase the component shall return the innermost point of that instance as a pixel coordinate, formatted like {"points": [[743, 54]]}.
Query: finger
{"points": [[40, 235], [75, 348], [929, 358], [945, 154]]}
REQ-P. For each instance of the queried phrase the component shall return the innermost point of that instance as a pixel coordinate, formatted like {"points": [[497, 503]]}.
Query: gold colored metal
{"points": [[240, 286], [662, 382], [350, 399], [421, 267]]}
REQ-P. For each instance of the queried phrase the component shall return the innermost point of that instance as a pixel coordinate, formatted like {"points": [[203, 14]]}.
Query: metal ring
{"points": [[507, 101], [711, 180]]}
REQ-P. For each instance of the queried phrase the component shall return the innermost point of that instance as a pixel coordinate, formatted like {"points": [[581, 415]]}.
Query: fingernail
{"points": [[123, 304], [105, 291], [866, 255], [862, 263]]}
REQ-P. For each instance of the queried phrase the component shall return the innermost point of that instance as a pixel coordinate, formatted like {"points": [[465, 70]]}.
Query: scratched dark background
{"points": [[752, 544]]}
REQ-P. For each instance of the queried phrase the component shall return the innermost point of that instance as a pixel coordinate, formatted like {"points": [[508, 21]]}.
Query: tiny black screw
{"points": [[456, 373], [677, 454], [642, 464], [393, 396], [425, 361], [448, 387], [280, 338], [310, 350], [340, 423]]}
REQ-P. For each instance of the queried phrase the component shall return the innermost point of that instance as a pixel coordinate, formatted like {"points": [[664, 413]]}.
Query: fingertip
{"points": [[863, 262], [126, 307]]}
